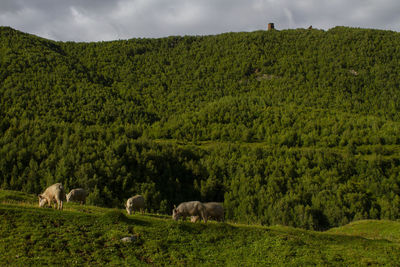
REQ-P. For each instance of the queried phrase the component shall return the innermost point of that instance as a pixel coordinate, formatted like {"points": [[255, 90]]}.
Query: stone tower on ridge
{"points": [[271, 26]]}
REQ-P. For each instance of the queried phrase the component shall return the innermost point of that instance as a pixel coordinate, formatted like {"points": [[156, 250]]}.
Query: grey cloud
{"points": [[94, 20], [9, 6]]}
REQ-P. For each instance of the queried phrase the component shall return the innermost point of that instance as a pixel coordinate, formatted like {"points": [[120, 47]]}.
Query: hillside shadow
{"points": [[136, 221], [158, 216]]}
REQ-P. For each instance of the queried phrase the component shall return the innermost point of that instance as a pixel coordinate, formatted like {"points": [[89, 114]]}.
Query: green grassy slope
{"points": [[91, 235], [371, 229]]}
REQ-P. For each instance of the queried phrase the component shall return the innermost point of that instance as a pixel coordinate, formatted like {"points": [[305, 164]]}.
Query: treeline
{"points": [[296, 127], [314, 188]]}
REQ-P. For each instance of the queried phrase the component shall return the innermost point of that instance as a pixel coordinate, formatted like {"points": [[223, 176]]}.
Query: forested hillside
{"points": [[294, 127]]}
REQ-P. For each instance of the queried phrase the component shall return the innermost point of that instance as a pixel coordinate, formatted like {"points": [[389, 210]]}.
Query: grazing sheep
{"points": [[135, 203], [214, 211], [191, 208], [77, 194], [54, 193]]}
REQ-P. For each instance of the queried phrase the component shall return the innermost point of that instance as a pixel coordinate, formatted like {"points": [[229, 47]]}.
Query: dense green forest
{"points": [[294, 127]]}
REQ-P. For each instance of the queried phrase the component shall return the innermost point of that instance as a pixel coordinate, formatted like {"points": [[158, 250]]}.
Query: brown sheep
{"points": [[191, 208], [135, 203], [77, 194], [214, 211]]}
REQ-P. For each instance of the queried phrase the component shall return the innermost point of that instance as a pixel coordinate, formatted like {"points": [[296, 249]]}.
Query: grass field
{"points": [[89, 235]]}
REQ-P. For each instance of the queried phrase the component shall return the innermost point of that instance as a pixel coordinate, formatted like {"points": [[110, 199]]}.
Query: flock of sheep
{"points": [[195, 209]]}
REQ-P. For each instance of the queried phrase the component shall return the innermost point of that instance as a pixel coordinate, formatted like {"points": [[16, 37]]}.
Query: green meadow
{"points": [[91, 236]]}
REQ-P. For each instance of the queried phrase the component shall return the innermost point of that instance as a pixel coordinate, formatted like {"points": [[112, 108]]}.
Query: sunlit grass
{"points": [[371, 229], [90, 235]]}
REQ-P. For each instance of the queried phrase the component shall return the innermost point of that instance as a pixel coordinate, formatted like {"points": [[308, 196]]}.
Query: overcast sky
{"points": [[97, 20]]}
